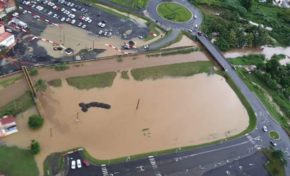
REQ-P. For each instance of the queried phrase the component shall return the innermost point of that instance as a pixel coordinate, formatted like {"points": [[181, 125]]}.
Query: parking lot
{"points": [[83, 16], [69, 24]]}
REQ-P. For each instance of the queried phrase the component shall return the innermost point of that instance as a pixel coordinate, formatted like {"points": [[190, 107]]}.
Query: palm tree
{"points": [[40, 85]]}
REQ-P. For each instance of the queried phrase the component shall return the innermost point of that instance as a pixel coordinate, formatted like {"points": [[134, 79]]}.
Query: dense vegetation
{"points": [[228, 22], [34, 147], [270, 79], [17, 162], [35, 121], [276, 163]]}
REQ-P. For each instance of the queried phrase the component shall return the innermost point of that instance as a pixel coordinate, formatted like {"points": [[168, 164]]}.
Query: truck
{"points": [[18, 22]]}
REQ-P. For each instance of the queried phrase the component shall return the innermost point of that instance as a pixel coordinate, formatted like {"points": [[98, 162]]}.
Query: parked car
{"points": [[73, 164], [79, 163], [86, 163], [84, 26]]}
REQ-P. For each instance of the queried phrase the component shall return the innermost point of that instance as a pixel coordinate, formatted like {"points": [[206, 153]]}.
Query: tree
{"points": [[40, 85], [34, 147], [278, 154], [247, 3], [35, 121]]}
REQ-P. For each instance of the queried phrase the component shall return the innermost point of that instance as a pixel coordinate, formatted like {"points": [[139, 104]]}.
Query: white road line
{"points": [[209, 151]]}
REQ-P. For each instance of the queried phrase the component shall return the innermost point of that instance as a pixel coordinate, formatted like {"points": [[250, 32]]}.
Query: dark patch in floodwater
{"points": [[85, 106]]}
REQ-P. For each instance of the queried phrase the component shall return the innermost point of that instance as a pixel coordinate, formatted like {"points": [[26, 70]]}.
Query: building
{"points": [[7, 40], [6, 6], [7, 126]]}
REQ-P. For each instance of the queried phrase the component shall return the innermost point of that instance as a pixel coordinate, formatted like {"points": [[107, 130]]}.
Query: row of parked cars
{"points": [[77, 164]]}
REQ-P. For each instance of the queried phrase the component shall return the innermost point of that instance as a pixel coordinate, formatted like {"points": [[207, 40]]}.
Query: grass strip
{"points": [[101, 80]]}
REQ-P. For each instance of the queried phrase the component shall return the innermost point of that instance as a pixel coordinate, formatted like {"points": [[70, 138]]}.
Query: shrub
{"points": [[33, 72], [34, 147], [35, 121]]}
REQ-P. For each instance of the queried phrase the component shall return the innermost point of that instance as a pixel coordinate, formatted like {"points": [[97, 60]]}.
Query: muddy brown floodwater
{"points": [[172, 112]]}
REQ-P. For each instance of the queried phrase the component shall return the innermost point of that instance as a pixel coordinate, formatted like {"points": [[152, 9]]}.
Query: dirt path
{"points": [[100, 66]]}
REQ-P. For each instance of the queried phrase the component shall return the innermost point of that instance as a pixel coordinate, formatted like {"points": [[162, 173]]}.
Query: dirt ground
{"points": [[172, 112], [185, 41]]}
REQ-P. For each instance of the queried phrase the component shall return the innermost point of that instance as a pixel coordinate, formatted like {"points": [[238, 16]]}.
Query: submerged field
{"points": [[172, 112]]}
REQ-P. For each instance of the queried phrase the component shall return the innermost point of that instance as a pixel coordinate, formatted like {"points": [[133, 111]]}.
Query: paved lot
{"points": [[114, 25], [250, 166]]}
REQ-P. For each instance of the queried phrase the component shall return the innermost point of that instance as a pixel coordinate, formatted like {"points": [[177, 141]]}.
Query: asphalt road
{"points": [[208, 159], [262, 114]]}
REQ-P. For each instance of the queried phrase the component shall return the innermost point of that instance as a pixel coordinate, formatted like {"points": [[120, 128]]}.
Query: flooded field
{"points": [[172, 112], [265, 50]]}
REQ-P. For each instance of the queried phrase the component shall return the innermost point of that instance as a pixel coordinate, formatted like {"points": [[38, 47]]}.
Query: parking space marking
{"points": [[104, 170]]}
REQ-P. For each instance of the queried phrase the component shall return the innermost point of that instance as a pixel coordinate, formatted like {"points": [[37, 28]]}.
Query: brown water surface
{"points": [[172, 112]]}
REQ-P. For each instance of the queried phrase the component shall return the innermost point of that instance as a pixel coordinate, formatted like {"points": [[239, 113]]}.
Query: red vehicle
{"points": [[86, 163]]}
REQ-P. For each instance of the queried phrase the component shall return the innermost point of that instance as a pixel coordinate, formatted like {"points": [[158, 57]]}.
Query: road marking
{"points": [[209, 151], [153, 162], [104, 170]]}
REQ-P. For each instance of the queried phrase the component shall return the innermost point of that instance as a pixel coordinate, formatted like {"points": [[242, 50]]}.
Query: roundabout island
{"points": [[174, 12]]}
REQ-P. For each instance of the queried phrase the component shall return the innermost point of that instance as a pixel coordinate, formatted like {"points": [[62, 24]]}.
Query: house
{"points": [[7, 40], [7, 125]]}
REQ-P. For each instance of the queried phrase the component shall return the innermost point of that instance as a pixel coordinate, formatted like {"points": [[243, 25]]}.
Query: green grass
{"points": [[17, 162], [274, 135], [247, 60], [55, 83], [61, 67], [9, 81], [92, 81], [135, 4], [175, 70], [174, 12], [274, 166], [18, 105], [124, 75], [110, 11]]}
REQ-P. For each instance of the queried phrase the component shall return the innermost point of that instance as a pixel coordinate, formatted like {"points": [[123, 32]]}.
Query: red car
{"points": [[86, 163]]}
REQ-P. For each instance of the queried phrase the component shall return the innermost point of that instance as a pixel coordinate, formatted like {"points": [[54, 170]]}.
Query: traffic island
{"points": [[174, 12], [274, 135]]}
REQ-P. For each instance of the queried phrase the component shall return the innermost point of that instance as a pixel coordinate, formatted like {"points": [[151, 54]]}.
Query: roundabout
{"points": [[174, 12]]}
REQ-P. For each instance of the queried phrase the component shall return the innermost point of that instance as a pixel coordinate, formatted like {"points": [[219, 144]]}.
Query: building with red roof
{"points": [[7, 125]]}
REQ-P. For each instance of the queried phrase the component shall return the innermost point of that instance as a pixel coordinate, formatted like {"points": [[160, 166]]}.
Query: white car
{"points": [[49, 13], [62, 9], [100, 32], [84, 26], [90, 21], [79, 163], [73, 9], [80, 24], [73, 164], [15, 14], [73, 21], [265, 129], [62, 19], [67, 20], [103, 25]]}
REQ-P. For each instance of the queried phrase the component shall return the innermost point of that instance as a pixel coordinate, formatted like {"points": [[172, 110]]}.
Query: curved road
{"points": [[201, 160]]}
